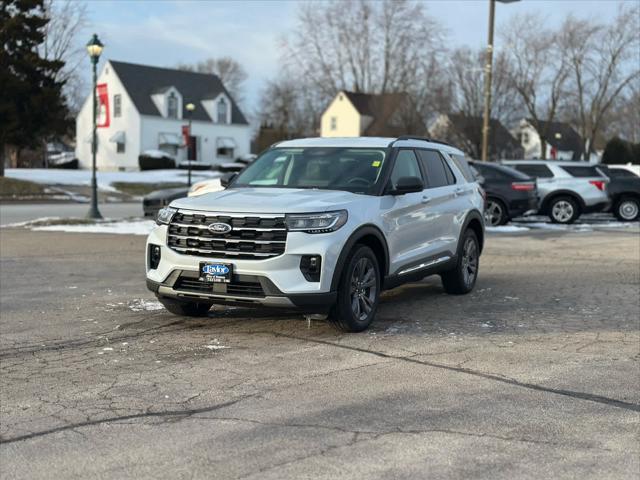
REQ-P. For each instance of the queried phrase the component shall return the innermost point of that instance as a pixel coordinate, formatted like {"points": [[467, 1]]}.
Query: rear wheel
{"points": [[462, 278], [563, 210], [186, 309], [358, 291], [495, 214], [627, 209]]}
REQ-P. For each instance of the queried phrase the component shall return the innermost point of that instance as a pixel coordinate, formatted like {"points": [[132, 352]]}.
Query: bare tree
{"points": [[231, 73], [466, 70], [537, 69], [370, 47], [67, 19], [604, 63]]}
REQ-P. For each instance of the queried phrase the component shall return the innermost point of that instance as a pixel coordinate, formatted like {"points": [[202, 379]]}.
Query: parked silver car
{"points": [[322, 224], [566, 189]]}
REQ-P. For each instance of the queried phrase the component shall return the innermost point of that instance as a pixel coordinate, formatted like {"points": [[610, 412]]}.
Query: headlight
{"points": [[316, 222], [165, 215]]}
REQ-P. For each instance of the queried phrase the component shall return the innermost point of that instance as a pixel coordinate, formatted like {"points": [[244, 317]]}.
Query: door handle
{"points": [[458, 191], [426, 199]]}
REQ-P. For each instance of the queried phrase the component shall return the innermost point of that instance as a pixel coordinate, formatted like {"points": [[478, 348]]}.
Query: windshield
{"points": [[352, 169]]}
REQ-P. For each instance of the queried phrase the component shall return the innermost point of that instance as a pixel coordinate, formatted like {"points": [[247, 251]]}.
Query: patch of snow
{"points": [[216, 347], [506, 229], [29, 222], [156, 154], [140, 305], [139, 227], [108, 349], [105, 179]]}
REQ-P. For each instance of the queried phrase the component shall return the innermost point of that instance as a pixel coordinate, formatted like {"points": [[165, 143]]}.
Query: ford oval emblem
{"points": [[220, 227]]}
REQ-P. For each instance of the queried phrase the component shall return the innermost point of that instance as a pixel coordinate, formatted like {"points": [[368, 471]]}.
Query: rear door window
{"points": [[582, 171], [437, 171], [535, 171]]}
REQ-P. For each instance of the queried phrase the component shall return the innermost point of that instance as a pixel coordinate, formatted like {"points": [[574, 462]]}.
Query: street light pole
{"points": [[94, 48], [488, 71], [190, 107]]}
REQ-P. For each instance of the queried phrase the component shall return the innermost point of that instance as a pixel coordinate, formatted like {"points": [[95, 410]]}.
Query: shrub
{"points": [[618, 151]]}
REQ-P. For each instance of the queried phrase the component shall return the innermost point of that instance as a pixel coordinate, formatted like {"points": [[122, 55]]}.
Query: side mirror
{"points": [[227, 178], [407, 185]]}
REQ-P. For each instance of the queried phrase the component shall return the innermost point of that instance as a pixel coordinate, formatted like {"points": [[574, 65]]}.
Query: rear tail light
{"points": [[523, 186], [599, 184]]}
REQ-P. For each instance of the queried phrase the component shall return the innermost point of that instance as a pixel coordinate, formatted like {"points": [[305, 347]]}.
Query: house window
{"points": [[225, 152], [334, 123], [525, 138], [222, 111], [120, 147], [117, 105], [172, 106]]}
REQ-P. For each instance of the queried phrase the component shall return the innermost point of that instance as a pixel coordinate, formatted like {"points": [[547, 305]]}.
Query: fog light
{"points": [[154, 256], [310, 266]]}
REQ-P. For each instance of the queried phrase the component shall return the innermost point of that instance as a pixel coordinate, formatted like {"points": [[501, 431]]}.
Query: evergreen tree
{"points": [[32, 107]]}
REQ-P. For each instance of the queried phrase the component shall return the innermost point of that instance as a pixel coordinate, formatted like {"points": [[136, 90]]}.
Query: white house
{"points": [[563, 142], [144, 108]]}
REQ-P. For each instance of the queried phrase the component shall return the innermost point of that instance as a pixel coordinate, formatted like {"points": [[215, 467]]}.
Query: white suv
{"points": [[323, 225]]}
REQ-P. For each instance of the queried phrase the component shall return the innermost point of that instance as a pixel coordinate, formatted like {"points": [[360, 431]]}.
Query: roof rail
{"points": [[424, 139]]}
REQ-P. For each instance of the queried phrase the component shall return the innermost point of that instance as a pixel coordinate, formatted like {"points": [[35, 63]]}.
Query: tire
{"points": [[563, 210], [186, 309], [462, 278], [358, 291], [627, 209], [495, 213]]}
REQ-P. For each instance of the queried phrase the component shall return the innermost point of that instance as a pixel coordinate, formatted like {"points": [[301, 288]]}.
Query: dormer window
{"points": [[222, 111], [172, 106]]}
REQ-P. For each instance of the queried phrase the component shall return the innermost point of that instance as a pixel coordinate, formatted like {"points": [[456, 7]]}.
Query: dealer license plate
{"points": [[215, 272]]}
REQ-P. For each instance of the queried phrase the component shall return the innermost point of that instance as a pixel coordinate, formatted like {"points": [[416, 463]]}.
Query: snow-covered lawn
{"points": [[105, 179], [56, 224]]}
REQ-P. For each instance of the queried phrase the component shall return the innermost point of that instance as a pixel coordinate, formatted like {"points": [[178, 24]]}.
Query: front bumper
{"points": [[276, 281]]}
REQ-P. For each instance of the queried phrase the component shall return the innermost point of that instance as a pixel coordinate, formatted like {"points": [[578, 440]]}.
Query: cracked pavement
{"points": [[536, 374]]}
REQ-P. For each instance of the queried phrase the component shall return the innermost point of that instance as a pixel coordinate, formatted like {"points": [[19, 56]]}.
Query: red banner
{"points": [[185, 135], [103, 120]]}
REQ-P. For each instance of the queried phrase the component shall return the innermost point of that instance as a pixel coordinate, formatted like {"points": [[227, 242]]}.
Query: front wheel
{"points": [[462, 278], [186, 309], [627, 209], [358, 291]]}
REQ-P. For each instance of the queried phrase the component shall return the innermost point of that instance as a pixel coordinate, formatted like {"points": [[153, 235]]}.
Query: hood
{"points": [[269, 200]]}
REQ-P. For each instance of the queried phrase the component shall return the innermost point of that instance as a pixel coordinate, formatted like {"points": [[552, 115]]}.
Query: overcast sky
{"points": [[163, 33]]}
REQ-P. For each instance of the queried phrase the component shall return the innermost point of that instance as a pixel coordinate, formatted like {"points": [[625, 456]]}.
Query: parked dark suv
{"points": [[510, 193], [624, 192]]}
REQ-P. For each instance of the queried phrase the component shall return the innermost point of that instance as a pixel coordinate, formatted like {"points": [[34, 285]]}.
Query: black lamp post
{"points": [[94, 47], [189, 107]]}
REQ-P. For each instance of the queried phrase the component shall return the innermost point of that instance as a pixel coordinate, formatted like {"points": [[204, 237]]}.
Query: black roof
{"points": [[142, 81], [569, 140]]}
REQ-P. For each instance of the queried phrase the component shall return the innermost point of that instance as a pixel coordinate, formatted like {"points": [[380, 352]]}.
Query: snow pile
{"points": [[506, 229], [105, 179], [138, 227], [141, 305]]}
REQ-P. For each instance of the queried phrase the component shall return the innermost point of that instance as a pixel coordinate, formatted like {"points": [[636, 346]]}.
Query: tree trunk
{"points": [[543, 149]]}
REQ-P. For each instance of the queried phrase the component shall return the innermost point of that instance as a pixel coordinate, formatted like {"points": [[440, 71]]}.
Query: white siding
{"points": [[107, 157]]}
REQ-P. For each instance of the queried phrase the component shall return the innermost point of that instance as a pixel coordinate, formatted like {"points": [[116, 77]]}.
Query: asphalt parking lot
{"points": [[536, 374]]}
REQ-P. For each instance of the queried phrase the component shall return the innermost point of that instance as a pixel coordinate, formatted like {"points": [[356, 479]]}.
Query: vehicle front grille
{"points": [[251, 238], [236, 288]]}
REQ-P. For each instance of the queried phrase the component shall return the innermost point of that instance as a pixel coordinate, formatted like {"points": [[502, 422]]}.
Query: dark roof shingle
{"points": [[142, 81]]}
